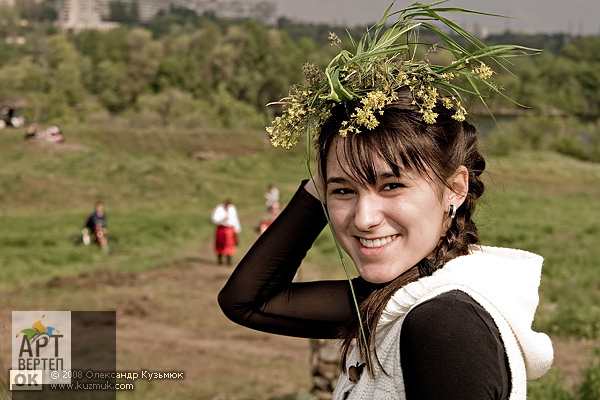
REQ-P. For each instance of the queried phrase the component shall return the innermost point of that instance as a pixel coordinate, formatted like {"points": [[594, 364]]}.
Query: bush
{"points": [[235, 114], [170, 108], [565, 135]]}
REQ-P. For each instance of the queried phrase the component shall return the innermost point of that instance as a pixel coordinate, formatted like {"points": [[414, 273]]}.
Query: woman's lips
{"points": [[375, 243]]}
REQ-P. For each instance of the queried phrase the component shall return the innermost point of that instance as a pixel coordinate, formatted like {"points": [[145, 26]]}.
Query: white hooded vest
{"points": [[503, 281]]}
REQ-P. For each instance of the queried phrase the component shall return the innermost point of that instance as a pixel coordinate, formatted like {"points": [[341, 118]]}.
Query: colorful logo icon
{"points": [[38, 331]]}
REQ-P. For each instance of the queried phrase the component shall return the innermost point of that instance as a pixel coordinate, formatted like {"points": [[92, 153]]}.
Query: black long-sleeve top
{"points": [[450, 347]]}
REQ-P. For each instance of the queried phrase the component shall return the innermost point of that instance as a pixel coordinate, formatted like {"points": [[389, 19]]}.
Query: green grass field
{"points": [[160, 186]]}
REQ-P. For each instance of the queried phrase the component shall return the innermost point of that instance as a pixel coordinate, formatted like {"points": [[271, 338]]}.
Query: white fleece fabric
{"points": [[503, 281]]}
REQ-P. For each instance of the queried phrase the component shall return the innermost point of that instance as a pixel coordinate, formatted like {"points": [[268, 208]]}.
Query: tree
{"points": [[112, 86], [118, 12], [585, 49], [144, 59], [134, 12], [37, 11]]}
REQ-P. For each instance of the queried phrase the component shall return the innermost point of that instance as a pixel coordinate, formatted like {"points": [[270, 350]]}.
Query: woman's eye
{"points": [[342, 191], [393, 185]]}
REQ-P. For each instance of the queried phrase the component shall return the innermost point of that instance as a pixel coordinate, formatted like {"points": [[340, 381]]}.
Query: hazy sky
{"points": [[537, 16]]}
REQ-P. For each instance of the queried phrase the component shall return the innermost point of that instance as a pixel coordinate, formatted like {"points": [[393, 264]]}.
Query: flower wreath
{"points": [[381, 64]]}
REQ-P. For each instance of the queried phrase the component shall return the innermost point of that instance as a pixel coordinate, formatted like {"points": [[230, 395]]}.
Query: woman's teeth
{"points": [[377, 242]]}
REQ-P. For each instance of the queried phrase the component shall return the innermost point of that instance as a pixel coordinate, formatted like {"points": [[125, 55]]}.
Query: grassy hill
{"points": [[160, 185]]}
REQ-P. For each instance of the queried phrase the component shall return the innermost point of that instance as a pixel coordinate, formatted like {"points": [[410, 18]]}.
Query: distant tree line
{"points": [[200, 71]]}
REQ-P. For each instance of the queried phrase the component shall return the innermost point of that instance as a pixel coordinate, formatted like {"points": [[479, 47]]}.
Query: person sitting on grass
{"points": [[96, 224]]}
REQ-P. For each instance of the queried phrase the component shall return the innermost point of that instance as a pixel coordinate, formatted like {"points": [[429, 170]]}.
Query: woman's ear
{"points": [[459, 183]]}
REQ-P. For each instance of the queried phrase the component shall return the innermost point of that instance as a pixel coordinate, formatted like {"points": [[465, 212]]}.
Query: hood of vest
{"points": [[506, 278]]}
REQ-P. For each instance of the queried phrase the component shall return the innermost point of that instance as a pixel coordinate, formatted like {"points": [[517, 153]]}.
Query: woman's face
{"points": [[389, 227]]}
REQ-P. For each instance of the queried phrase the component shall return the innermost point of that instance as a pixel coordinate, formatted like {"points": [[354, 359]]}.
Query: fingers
{"points": [[316, 187]]}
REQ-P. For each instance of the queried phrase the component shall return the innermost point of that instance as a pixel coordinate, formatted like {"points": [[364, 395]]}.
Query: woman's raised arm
{"points": [[261, 294]]}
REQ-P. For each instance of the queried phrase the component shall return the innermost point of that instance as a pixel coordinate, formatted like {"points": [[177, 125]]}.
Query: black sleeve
{"points": [[450, 348], [260, 293]]}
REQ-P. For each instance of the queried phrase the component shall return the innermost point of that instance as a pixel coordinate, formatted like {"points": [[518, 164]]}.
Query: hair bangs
{"points": [[399, 150]]}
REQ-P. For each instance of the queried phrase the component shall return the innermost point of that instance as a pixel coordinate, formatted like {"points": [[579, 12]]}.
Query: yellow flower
{"points": [[483, 71], [429, 116], [460, 113], [373, 102]]}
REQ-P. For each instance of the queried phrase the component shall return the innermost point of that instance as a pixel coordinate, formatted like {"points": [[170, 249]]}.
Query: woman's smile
{"points": [[374, 243]]}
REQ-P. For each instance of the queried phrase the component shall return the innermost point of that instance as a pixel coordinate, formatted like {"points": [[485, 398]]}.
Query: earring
{"points": [[452, 211]]}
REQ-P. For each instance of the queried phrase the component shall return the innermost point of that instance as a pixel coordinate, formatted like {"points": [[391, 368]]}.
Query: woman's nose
{"points": [[367, 213]]}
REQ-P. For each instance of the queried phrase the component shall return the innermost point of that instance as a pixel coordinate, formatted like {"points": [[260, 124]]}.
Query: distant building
{"points": [[81, 14], [263, 11], [92, 14], [147, 8]]}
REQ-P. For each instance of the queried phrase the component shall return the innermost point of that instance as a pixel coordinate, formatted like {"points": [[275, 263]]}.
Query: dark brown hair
{"points": [[406, 142]]}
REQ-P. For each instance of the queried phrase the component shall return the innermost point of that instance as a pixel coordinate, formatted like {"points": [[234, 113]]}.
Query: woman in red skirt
{"points": [[225, 216]]}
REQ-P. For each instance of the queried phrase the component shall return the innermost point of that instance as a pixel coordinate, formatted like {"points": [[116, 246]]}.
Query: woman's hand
{"points": [[316, 187]]}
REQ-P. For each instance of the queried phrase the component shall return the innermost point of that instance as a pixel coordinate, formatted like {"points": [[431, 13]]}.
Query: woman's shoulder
{"points": [[452, 325], [451, 339], [452, 311]]}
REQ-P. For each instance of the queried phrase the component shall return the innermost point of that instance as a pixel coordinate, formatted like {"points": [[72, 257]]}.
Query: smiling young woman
{"points": [[433, 314], [440, 320]]}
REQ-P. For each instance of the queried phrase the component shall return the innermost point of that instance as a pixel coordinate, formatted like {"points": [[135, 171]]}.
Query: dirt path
{"points": [[222, 359]]}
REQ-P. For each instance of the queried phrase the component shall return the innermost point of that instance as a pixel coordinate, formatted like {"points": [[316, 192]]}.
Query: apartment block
{"points": [[81, 14], [91, 14]]}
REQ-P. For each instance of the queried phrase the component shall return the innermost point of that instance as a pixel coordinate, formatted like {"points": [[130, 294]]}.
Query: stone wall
{"points": [[325, 367]]}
